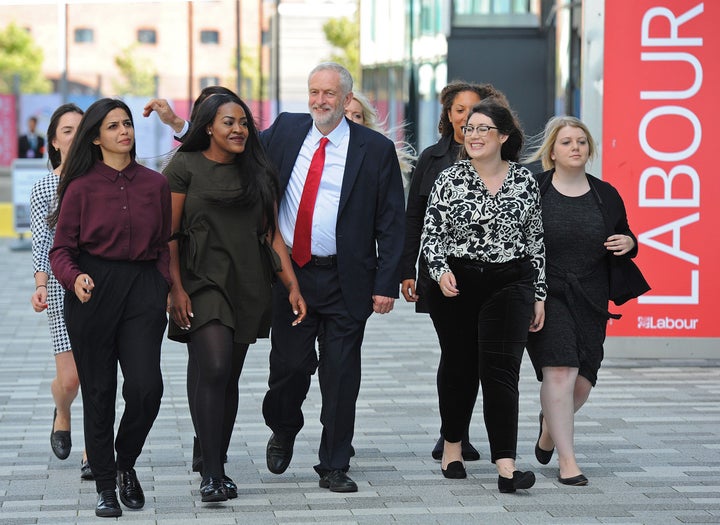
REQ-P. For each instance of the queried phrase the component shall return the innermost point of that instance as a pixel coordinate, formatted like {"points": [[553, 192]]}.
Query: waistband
{"points": [[326, 261]]}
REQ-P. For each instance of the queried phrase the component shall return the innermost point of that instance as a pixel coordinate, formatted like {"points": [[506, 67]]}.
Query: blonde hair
{"points": [[405, 152], [542, 144]]}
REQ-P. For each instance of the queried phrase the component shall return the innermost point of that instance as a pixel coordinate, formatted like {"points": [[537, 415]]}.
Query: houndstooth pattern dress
{"points": [[42, 202]]}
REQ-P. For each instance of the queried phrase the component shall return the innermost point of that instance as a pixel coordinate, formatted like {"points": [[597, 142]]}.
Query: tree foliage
{"points": [[20, 57], [344, 34], [138, 74]]}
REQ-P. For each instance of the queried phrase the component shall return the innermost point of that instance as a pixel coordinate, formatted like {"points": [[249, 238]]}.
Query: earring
{"points": [[209, 132]]}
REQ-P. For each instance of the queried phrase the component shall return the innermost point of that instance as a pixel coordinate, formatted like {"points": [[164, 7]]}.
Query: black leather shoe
{"points": [[60, 441], [230, 487], [454, 470], [85, 470], [575, 481], [131, 493], [543, 456], [520, 480], [212, 489], [107, 505], [338, 481], [279, 453]]}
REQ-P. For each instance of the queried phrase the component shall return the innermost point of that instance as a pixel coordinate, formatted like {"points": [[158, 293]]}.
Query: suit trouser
{"points": [[482, 333], [293, 360], [123, 322]]}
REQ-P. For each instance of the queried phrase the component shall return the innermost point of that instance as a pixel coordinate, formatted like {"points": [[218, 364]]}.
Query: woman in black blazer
{"points": [[589, 247]]}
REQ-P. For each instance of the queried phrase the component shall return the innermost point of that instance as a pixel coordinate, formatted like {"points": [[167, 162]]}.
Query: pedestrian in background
{"points": [[111, 255], [483, 243], [31, 145], [457, 98], [48, 295], [223, 258], [589, 247], [341, 213]]}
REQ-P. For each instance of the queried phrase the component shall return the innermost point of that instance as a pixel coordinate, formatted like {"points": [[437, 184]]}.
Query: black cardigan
{"points": [[626, 280]]}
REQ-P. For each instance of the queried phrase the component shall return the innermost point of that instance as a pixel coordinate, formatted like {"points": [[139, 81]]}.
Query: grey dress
{"points": [[222, 264], [577, 278]]}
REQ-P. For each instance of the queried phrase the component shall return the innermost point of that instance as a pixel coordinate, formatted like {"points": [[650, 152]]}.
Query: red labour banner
{"points": [[8, 132], [661, 125]]}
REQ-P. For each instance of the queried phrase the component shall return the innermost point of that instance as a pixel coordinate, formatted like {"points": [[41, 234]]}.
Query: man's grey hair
{"points": [[346, 81]]}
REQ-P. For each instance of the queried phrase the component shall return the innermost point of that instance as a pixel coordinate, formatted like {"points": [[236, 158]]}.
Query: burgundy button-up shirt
{"points": [[116, 215]]}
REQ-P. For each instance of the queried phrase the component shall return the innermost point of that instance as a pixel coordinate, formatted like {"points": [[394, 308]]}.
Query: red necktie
{"points": [[303, 223]]}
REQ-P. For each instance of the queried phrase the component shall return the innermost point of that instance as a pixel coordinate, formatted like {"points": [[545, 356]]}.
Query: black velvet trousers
{"points": [[482, 334]]}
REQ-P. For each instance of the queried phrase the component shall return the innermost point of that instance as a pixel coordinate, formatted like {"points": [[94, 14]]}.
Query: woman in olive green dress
{"points": [[224, 256]]}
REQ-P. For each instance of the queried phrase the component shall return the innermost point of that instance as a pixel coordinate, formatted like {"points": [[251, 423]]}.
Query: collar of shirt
{"points": [[112, 174], [335, 137]]}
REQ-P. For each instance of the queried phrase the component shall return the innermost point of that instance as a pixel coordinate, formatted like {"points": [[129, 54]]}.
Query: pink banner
{"points": [[8, 130]]}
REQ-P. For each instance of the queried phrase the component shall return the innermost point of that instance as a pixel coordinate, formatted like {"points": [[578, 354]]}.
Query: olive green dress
{"points": [[223, 257]]}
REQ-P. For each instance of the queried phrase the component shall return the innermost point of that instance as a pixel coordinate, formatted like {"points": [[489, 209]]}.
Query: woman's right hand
{"points": [[408, 290], [448, 285], [39, 298], [180, 307]]}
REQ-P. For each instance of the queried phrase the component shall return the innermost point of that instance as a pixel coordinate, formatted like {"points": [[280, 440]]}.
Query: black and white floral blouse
{"points": [[464, 220]]}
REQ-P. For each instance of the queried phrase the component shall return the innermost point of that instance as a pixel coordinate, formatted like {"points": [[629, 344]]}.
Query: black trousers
{"points": [[482, 334], [293, 360], [123, 323]]}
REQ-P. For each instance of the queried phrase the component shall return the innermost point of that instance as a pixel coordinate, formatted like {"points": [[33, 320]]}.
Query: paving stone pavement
{"points": [[647, 440]]}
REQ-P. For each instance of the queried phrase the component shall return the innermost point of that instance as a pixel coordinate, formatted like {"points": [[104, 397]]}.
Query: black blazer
{"points": [[626, 280], [24, 147], [432, 161], [371, 220]]}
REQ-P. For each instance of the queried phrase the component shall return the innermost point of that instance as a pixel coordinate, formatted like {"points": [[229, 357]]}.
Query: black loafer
{"points": [[520, 480], [60, 441], [85, 470], [543, 456], [338, 481], [131, 493], [107, 505], [212, 490], [454, 470], [279, 453], [230, 487], [575, 481]]}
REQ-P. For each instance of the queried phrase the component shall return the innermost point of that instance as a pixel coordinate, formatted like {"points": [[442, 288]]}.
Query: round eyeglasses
{"points": [[481, 130]]}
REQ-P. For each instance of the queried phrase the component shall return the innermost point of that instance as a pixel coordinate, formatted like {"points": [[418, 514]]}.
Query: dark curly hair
{"points": [[449, 92]]}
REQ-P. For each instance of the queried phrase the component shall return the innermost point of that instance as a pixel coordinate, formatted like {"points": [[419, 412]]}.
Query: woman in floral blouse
{"points": [[483, 242]]}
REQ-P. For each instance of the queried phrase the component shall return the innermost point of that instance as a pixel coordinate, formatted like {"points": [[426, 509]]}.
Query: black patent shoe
{"points": [[107, 505], [131, 493], [230, 487], [520, 480], [454, 470], [60, 441], [212, 489], [85, 470]]}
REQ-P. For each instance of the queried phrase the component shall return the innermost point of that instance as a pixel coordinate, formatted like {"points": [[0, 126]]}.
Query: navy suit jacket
{"points": [[371, 216]]}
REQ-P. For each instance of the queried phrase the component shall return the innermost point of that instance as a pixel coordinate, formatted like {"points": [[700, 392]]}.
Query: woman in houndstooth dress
{"points": [[48, 292]]}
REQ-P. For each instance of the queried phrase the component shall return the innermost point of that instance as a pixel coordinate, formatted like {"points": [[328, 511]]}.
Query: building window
{"points": [[496, 13], [147, 36], [209, 81], [209, 36], [84, 35]]}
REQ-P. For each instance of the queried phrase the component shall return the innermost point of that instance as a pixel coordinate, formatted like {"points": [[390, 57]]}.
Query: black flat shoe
{"points": [[279, 453], [85, 470], [60, 441], [338, 481], [543, 456], [575, 481], [230, 487], [131, 493], [437, 451], [454, 470], [107, 505], [520, 480], [212, 490]]}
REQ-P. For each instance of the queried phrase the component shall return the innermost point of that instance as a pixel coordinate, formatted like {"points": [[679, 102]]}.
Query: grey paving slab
{"points": [[649, 440]]}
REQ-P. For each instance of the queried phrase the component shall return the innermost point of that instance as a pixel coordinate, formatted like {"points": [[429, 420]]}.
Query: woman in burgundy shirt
{"points": [[111, 255]]}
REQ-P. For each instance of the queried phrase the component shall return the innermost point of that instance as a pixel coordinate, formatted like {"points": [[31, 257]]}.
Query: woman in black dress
{"points": [[586, 233]]}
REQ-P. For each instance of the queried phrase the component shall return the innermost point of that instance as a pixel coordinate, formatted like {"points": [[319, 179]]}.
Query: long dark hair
{"points": [[83, 153], [507, 124], [256, 176], [452, 90], [54, 155]]}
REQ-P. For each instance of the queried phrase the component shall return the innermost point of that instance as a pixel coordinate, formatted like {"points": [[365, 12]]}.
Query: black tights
{"points": [[214, 367]]}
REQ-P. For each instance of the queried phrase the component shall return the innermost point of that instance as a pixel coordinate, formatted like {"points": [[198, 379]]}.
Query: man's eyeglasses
{"points": [[482, 129]]}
